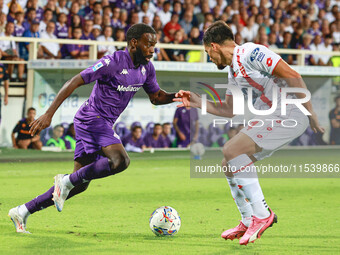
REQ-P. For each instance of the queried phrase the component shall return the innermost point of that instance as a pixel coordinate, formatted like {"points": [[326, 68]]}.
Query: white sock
{"points": [[243, 206], [246, 176], [23, 212], [66, 181]]}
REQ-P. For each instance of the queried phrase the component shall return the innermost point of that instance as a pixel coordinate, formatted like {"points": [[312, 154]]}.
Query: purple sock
{"points": [[95, 170], [40, 202]]}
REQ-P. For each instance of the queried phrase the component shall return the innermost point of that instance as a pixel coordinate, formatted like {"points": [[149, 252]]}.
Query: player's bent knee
{"points": [[119, 163], [228, 152]]}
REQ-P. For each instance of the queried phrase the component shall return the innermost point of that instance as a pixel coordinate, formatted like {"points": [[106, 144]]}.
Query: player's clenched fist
{"points": [[188, 99], [39, 124]]}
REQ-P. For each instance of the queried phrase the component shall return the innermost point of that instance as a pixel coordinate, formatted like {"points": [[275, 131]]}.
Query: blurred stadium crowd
{"points": [[288, 24], [183, 131]]}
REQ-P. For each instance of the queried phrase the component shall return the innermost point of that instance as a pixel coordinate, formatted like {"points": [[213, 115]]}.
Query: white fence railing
{"points": [[93, 46]]}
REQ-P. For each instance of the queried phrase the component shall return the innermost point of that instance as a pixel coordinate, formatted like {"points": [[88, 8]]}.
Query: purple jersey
{"points": [[19, 30], [40, 13], [61, 31], [117, 80], [151, 142], [66, 49], [186, 123], [138, 143]]}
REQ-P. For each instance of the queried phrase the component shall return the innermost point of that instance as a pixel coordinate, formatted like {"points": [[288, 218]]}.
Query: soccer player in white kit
{"points": [[252, 66]]}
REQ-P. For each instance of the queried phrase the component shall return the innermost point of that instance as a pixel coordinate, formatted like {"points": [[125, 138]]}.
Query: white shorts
{"points": [[274, 131]]}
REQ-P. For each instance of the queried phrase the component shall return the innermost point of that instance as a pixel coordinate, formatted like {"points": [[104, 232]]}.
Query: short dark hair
{"points": [[136, 31], [58, 126], [135, 128], [157, 124], [218, 33], [166, 123], [31, 109]]}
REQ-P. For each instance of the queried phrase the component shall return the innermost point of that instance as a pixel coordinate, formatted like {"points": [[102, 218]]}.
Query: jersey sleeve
{"points": [[263, 59], [16, 128], [231, 81], [103, 70], [151, 85]]}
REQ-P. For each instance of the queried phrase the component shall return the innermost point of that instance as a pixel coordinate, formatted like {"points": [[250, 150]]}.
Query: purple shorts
{"points": [[91, 135]]}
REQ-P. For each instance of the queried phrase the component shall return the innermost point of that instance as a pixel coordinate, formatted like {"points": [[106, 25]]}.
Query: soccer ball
{"points": [[197, 150], [165, 221]]}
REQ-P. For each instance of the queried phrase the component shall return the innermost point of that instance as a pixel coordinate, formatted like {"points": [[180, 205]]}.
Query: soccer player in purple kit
{"points": [[99, 152]]}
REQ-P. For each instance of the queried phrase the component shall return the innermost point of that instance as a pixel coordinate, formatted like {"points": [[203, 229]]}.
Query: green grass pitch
{"points": [[111, 217]]}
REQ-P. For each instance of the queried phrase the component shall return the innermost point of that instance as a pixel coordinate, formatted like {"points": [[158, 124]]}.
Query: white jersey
{"points": [[252, 67]]}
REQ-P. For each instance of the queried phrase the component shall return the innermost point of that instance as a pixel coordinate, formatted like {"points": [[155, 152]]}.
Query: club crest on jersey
{"points": [[143, 70], [97, 66], [253, 55]]}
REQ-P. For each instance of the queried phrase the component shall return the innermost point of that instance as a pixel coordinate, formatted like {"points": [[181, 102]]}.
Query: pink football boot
{"points": [[235, 232], [257, 227]]}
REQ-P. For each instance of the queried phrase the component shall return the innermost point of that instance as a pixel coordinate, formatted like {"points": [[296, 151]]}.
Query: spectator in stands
{"points": [[272, 41], [87, 32], [75, 51], [49, 50], [170, 28], [34, 4], [115, 22], [123, 17], [51, 4], [334, 117], [187, 22], [134, 142], [73, 11], [9, 51], [167, 136], [5, 79], [145, 11], [177, 8], [287, 37], [56, 140], [19, 28], [96, 31], [307, 39], [185, 123], [47, 17], [120, 37], [146, 20], [134, 19], [61, 8], [194, 39], [104, 50], [177, 54], [13, 9], [326, 46], [24, 140], [157, 23], [31, 14], [70, 138], [3, 21], [61, 27], [250, 30], [32, 32], [3, 8], [160, 53], [75, 22], [165, 14], [155, 140]]}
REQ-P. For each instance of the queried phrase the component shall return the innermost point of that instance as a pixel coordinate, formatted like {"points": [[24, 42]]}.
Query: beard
{"points": [[220, 67], [139, 58]]}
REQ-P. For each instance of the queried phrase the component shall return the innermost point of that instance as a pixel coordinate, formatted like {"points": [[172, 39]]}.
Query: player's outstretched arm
{"points": [[294, 79], [161, 97], [44, 120], [191, 99]]}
